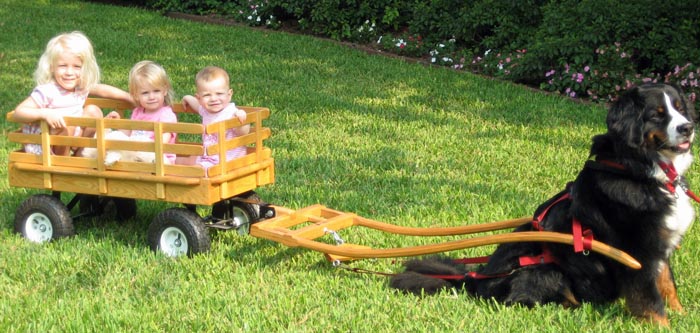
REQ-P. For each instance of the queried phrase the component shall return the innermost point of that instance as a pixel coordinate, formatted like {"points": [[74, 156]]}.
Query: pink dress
{"points": [[53, 96], [163, 115], [209, 139]]}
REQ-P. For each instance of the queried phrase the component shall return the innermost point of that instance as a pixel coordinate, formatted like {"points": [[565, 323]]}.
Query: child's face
{"points": [[67, 69], [149, 97], [214, 95]]}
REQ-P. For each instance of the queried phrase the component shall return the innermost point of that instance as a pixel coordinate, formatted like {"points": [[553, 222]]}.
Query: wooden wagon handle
{"points": [[513, 237]]}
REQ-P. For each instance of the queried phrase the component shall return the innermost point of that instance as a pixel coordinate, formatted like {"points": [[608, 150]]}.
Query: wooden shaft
{"points": [[513, 237]]}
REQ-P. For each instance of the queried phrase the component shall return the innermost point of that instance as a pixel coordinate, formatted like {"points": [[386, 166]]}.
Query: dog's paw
{"points": [[112, 157]]}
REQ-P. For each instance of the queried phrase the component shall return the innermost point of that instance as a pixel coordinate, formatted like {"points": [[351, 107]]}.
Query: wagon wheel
{"points": [[177, 232], [242, 214], [126, 208], [90, 205], [41, 218], [93, 205]]}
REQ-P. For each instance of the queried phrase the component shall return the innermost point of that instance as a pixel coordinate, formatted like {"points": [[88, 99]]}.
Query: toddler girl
{"points": [[66, 74], [213, 103], [150, 88]]}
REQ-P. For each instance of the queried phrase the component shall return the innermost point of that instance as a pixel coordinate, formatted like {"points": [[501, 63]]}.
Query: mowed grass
{"points": [[387, 139]]}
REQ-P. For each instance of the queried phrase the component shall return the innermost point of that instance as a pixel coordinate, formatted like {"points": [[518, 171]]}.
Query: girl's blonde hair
{"points": [[75, 43], [153, 74]]}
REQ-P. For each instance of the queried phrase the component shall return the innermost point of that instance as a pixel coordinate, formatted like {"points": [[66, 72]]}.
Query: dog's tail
{"points": [[429, 276]]}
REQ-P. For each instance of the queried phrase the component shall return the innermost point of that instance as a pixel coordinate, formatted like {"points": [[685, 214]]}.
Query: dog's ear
{"points": [[625, 118]]}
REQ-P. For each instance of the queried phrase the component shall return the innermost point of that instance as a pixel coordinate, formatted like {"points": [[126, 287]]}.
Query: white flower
{"points": [[379, 41], [433, 59]]}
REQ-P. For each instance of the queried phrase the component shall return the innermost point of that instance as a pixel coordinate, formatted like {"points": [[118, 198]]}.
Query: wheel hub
{"points": [[39, 228], [173, 242]]}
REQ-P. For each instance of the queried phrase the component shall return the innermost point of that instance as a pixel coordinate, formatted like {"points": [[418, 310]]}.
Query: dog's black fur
{"points": [[628, 207]]}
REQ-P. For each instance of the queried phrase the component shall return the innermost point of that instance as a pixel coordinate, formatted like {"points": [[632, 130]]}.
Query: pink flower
{"points": [[586, 69]]}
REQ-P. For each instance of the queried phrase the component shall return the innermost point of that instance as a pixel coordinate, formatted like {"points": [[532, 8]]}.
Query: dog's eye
{"points": [[656, 114]]}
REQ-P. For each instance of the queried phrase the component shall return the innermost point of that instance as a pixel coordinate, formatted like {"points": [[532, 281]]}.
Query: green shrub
{"points": [[590, 48]]}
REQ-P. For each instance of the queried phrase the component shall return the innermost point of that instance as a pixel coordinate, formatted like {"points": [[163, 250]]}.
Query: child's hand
{"points": [[241, 115], [54, 120], [113, 115], [190, 103]]}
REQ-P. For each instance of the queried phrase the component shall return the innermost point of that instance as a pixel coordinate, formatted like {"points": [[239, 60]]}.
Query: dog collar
{"points": [[674, 180]]}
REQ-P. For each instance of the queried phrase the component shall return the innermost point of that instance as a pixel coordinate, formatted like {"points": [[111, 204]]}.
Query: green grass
{"points": [[389, 140]]}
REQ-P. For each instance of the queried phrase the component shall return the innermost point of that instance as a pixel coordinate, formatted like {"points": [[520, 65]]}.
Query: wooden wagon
{"points": [[228, 188], [174, 231]]}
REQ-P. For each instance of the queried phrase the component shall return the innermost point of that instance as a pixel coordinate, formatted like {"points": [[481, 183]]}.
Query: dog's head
{"points": [[653, 118]]}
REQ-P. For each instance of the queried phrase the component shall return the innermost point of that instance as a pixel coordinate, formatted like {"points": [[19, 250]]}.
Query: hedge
{"points": [[582, 48]]}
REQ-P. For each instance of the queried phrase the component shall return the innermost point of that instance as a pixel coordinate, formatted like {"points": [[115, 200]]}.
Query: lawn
{"points": [[390, 140]]}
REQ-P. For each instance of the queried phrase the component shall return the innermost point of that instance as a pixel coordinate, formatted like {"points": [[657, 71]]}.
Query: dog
{"points": [[627, 195], [114, 156]]}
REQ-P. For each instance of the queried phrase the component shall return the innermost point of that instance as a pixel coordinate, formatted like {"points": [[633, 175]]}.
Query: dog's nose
{"points": [[685, 129]]}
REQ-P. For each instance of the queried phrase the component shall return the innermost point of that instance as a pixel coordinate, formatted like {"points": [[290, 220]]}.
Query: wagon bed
{"points": [[158, 181]]}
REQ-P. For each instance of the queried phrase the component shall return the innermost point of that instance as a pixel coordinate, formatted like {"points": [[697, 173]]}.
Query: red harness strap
{"points": [[673, 180], [583, 238]]}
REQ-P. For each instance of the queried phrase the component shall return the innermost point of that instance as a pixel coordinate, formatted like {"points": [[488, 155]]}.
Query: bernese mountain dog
{"points": [[630, 194]]}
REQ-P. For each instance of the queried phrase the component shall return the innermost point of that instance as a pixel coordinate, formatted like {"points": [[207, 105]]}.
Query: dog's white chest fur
{"points": [[682, 211]]}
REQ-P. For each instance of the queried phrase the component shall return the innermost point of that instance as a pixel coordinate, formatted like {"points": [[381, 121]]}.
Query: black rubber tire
{"points": [[244, 214], [42, 218], [90, 204], [126, 208], [178, 231]]}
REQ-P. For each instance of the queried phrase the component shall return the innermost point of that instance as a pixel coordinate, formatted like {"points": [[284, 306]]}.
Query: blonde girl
{"points": [[152, 91], [66, 74]]}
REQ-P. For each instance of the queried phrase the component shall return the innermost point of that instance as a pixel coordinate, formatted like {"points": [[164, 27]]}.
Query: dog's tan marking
{"points": [[570, 300], [668, 290]]}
